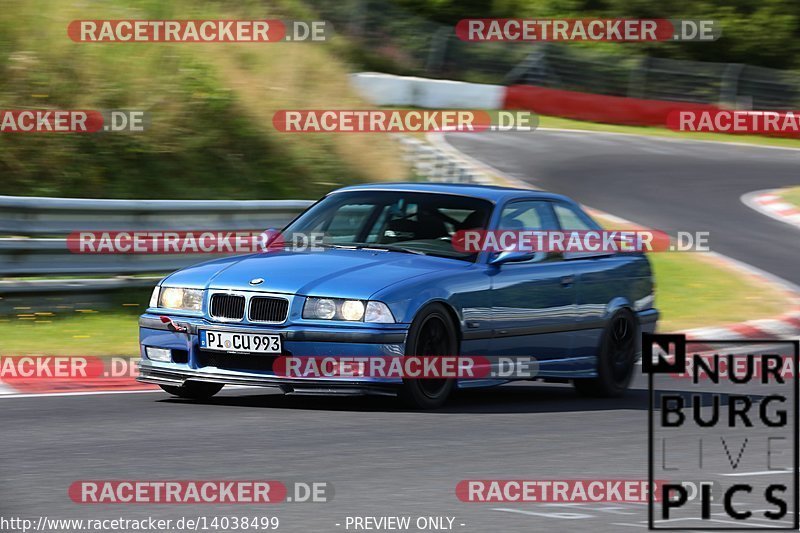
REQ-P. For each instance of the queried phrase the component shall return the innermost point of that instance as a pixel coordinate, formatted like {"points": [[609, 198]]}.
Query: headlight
{"points": [[352, 310], [181, 299], [349, 310], [323, 308]]}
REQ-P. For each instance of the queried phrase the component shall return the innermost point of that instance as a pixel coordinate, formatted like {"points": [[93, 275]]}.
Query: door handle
{"points": [[566, 281]]}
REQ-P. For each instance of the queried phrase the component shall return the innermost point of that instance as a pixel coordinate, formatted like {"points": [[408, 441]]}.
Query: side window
{"points": [[570, 219], [527, 215], [573, 219], [531, 215]]}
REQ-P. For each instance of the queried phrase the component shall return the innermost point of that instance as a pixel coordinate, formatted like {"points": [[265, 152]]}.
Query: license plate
{"points": [[228, 341]]}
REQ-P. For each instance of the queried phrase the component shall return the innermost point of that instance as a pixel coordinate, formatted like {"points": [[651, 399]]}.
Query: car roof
{"points": [[486, 192]]}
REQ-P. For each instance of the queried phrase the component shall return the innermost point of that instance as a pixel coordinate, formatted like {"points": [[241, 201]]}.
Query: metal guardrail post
{"points": [[729, 86]]}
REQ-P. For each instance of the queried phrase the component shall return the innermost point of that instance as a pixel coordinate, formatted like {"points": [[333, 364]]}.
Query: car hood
{"points": [[333, 273]]}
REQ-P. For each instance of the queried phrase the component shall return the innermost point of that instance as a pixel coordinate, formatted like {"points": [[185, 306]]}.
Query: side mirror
{"points": [[511, 256]]}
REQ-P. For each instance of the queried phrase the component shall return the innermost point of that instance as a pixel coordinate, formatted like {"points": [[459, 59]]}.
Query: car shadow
{"points": [[511, 398], [514, 398]]}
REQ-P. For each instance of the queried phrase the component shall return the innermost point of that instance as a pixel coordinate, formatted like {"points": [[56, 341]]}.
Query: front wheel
{"points": [[194, 390], [431, 333], [615, 360]]}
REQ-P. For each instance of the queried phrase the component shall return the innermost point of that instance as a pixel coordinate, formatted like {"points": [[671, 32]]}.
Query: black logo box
{"points": [[678, 366]]}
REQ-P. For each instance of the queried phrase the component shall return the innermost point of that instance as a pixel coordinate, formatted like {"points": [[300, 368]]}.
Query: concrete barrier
{"points": [[391, 90]]}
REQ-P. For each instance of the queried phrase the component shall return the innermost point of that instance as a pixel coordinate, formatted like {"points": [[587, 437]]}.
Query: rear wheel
{"points": [[194, 390], [431, 333], [615, 358]]}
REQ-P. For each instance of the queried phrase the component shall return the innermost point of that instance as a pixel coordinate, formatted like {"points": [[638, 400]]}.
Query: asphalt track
{"points": [[380, 458]]}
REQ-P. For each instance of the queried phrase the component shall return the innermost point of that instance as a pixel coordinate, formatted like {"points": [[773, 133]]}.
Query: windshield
{"points": [[395, 220]]}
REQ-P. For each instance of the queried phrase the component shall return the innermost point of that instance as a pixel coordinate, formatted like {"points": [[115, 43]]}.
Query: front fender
{"points": [[615, 305], [459, 290]]}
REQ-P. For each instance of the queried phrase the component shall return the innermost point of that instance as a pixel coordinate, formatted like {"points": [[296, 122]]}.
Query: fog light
{"points": [[159, 354]]}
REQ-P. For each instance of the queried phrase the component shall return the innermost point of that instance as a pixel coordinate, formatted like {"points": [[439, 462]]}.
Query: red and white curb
{"points": [[40, 386], [786, 326], [772, 205]]}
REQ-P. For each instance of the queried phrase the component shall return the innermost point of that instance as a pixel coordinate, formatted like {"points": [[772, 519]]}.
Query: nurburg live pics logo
{"points": [[728, 431]]}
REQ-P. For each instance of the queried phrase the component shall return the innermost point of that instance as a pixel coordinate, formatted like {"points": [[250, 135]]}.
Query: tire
{"points": [[432, 333], [194, 390], [616, 358]]}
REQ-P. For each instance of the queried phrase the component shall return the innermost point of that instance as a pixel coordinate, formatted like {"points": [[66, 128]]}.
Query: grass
{"points": [[693, 290], [210, 132], [791, 195], [101, 334]]}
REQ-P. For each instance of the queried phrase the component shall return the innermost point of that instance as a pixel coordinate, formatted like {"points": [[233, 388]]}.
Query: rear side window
{"points": [[527, 215], [570, 218]]}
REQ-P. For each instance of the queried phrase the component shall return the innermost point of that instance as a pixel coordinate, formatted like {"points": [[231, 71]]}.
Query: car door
{"points": [[533, 302], [597, 281]]}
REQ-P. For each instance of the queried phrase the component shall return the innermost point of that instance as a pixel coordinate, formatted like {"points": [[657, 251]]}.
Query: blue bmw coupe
{"points": [[390, 283]]}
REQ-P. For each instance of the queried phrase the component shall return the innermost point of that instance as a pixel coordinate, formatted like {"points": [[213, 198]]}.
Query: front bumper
{"points": [[190, 363], [648, 319]]}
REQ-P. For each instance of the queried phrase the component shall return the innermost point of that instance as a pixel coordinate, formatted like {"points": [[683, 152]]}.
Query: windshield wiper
{"points": [[390, 248], [365, 246]]}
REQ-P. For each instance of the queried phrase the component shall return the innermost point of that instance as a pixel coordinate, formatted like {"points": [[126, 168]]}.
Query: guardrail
{"points": [[24, 216], [33, 236]]}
